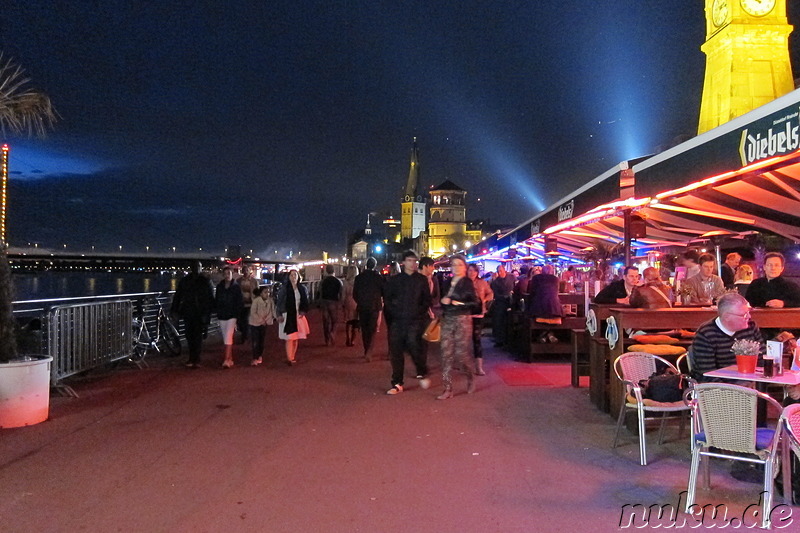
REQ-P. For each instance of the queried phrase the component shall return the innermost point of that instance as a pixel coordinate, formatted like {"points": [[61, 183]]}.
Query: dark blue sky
{"points": [[201, 124]]}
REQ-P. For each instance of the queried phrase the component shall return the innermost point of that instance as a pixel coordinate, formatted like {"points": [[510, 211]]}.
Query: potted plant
{"points": [[24, 379], [746, 352]]}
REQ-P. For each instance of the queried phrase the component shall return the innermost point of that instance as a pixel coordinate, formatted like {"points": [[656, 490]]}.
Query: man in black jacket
{"points": [[193, 301], [773, 290], [619, 292], [407, 299], [368, 294]]}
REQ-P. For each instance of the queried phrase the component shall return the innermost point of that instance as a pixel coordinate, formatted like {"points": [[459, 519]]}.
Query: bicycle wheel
{"points": [[170, 337], [141, 341]]}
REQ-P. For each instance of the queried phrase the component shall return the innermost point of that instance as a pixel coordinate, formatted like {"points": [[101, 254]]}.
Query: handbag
{"points": [[664, 387], [433, 332]]}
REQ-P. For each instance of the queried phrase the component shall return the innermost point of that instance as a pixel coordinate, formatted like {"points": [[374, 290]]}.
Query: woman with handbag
{"points": [[292, 308], [458, 305]]}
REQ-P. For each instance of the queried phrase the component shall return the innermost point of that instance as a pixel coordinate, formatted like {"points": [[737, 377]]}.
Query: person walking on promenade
{"points": [[330, 293], [349, 313], [192, 302], [292, 308], [262, 314], [426, 268], [484, 294], [408, 299], [368, 289], [228, 304], [248, 284], [502, 288], [458, 305]]}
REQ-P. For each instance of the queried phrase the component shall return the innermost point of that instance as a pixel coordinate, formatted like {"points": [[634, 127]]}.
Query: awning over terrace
{"points": [[741, 177]]}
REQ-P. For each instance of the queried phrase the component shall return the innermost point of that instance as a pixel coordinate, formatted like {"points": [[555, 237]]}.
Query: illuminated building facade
{"points": [[448, 221], [747, 58], [412, 215]]}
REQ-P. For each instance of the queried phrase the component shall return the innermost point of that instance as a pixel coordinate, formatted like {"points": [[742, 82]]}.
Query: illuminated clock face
{"points": [[758, 8], [719, 12]]}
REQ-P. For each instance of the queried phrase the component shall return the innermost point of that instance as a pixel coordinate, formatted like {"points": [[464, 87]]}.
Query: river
{"points": [[51, 284]]}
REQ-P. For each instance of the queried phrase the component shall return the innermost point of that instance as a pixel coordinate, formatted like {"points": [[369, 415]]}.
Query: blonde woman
{"points": [[742, 278], [292, 308]]}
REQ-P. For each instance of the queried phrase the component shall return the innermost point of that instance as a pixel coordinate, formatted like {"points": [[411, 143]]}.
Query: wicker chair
{"points": [[724, 426], [631, 368], [790, 426]]}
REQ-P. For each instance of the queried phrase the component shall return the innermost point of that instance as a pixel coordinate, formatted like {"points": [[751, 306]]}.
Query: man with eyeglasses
{"points": [[711, 347]]}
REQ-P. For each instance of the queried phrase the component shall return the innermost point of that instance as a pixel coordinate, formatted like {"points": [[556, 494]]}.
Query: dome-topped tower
{"points": [[447, 225]]}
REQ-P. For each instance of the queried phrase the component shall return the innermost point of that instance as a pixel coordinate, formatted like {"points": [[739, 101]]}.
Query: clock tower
{"points": [[412, 208], [747, 58]]}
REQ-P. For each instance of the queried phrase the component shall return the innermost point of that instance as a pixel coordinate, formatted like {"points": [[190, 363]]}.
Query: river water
{"points": [[50, 284]]}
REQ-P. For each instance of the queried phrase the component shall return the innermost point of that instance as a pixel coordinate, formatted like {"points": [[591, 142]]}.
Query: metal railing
{"points": [[84, 336]]}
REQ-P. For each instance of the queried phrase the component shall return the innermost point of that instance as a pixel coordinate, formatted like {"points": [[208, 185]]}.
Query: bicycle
{"points": [[165, 338]]}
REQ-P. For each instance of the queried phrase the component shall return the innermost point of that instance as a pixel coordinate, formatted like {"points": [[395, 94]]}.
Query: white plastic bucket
{"points": [[24, 392]]}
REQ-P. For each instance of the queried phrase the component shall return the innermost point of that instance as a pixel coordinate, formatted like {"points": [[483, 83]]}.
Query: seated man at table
{"points": [[706, 286], [711, 347], [653, 293], [773, 290], [619, 292]]}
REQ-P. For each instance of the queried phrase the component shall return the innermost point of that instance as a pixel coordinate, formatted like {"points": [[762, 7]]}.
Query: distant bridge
{"points": [[44, 259]]}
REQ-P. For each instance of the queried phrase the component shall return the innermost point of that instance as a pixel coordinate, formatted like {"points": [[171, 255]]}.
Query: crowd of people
{"points": [[415, 297], [408, 300]]}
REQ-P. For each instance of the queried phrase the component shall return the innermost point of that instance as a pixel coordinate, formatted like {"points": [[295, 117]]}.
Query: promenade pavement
{"points": [[321, 447]]}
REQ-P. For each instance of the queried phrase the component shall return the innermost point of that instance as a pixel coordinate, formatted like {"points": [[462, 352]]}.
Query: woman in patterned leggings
{"points": [[458, 305]]}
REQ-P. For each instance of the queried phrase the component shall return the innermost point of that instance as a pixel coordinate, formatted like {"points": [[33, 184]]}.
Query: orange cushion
{"points": [[658, 349], [655, 339]]}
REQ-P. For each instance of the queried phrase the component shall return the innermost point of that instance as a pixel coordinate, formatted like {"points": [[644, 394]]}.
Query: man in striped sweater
{"points": [[711, 348]]}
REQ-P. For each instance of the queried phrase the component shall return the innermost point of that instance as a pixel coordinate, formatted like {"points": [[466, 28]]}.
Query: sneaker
{"points": [[396, 389], [256, 362], [424, 383]]}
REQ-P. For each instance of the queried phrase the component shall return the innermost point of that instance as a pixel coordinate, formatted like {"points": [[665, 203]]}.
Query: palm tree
{"points": [[22, 111]]}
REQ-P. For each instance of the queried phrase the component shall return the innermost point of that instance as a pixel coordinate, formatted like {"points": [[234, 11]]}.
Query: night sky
{"points": [[280, 125]]}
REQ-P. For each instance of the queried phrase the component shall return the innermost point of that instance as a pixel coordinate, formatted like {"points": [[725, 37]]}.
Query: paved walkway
{"points": [[320, 447]]}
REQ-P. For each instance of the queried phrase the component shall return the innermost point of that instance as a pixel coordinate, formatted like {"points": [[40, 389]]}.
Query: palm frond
{"points": [[23, 110]]}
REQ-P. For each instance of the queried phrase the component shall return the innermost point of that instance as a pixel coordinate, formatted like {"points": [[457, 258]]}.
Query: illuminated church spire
{"points": [[412, 212], [413, 173]]}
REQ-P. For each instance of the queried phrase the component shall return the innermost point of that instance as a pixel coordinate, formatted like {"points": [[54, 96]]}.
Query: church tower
{"points": [[747, 58], [412, 213], [448, 223]]}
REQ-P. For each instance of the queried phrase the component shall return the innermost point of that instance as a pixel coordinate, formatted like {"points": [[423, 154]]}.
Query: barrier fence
{"points": [[85, 333], [84, 336]]}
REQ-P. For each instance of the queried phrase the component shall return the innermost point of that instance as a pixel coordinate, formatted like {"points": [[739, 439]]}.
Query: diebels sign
{"points": [[782, 137], [773, 130]]}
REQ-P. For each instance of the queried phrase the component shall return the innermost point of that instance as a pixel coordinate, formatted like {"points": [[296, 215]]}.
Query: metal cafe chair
{"points": [[724, 426], [631, 368], [790, 439]]}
